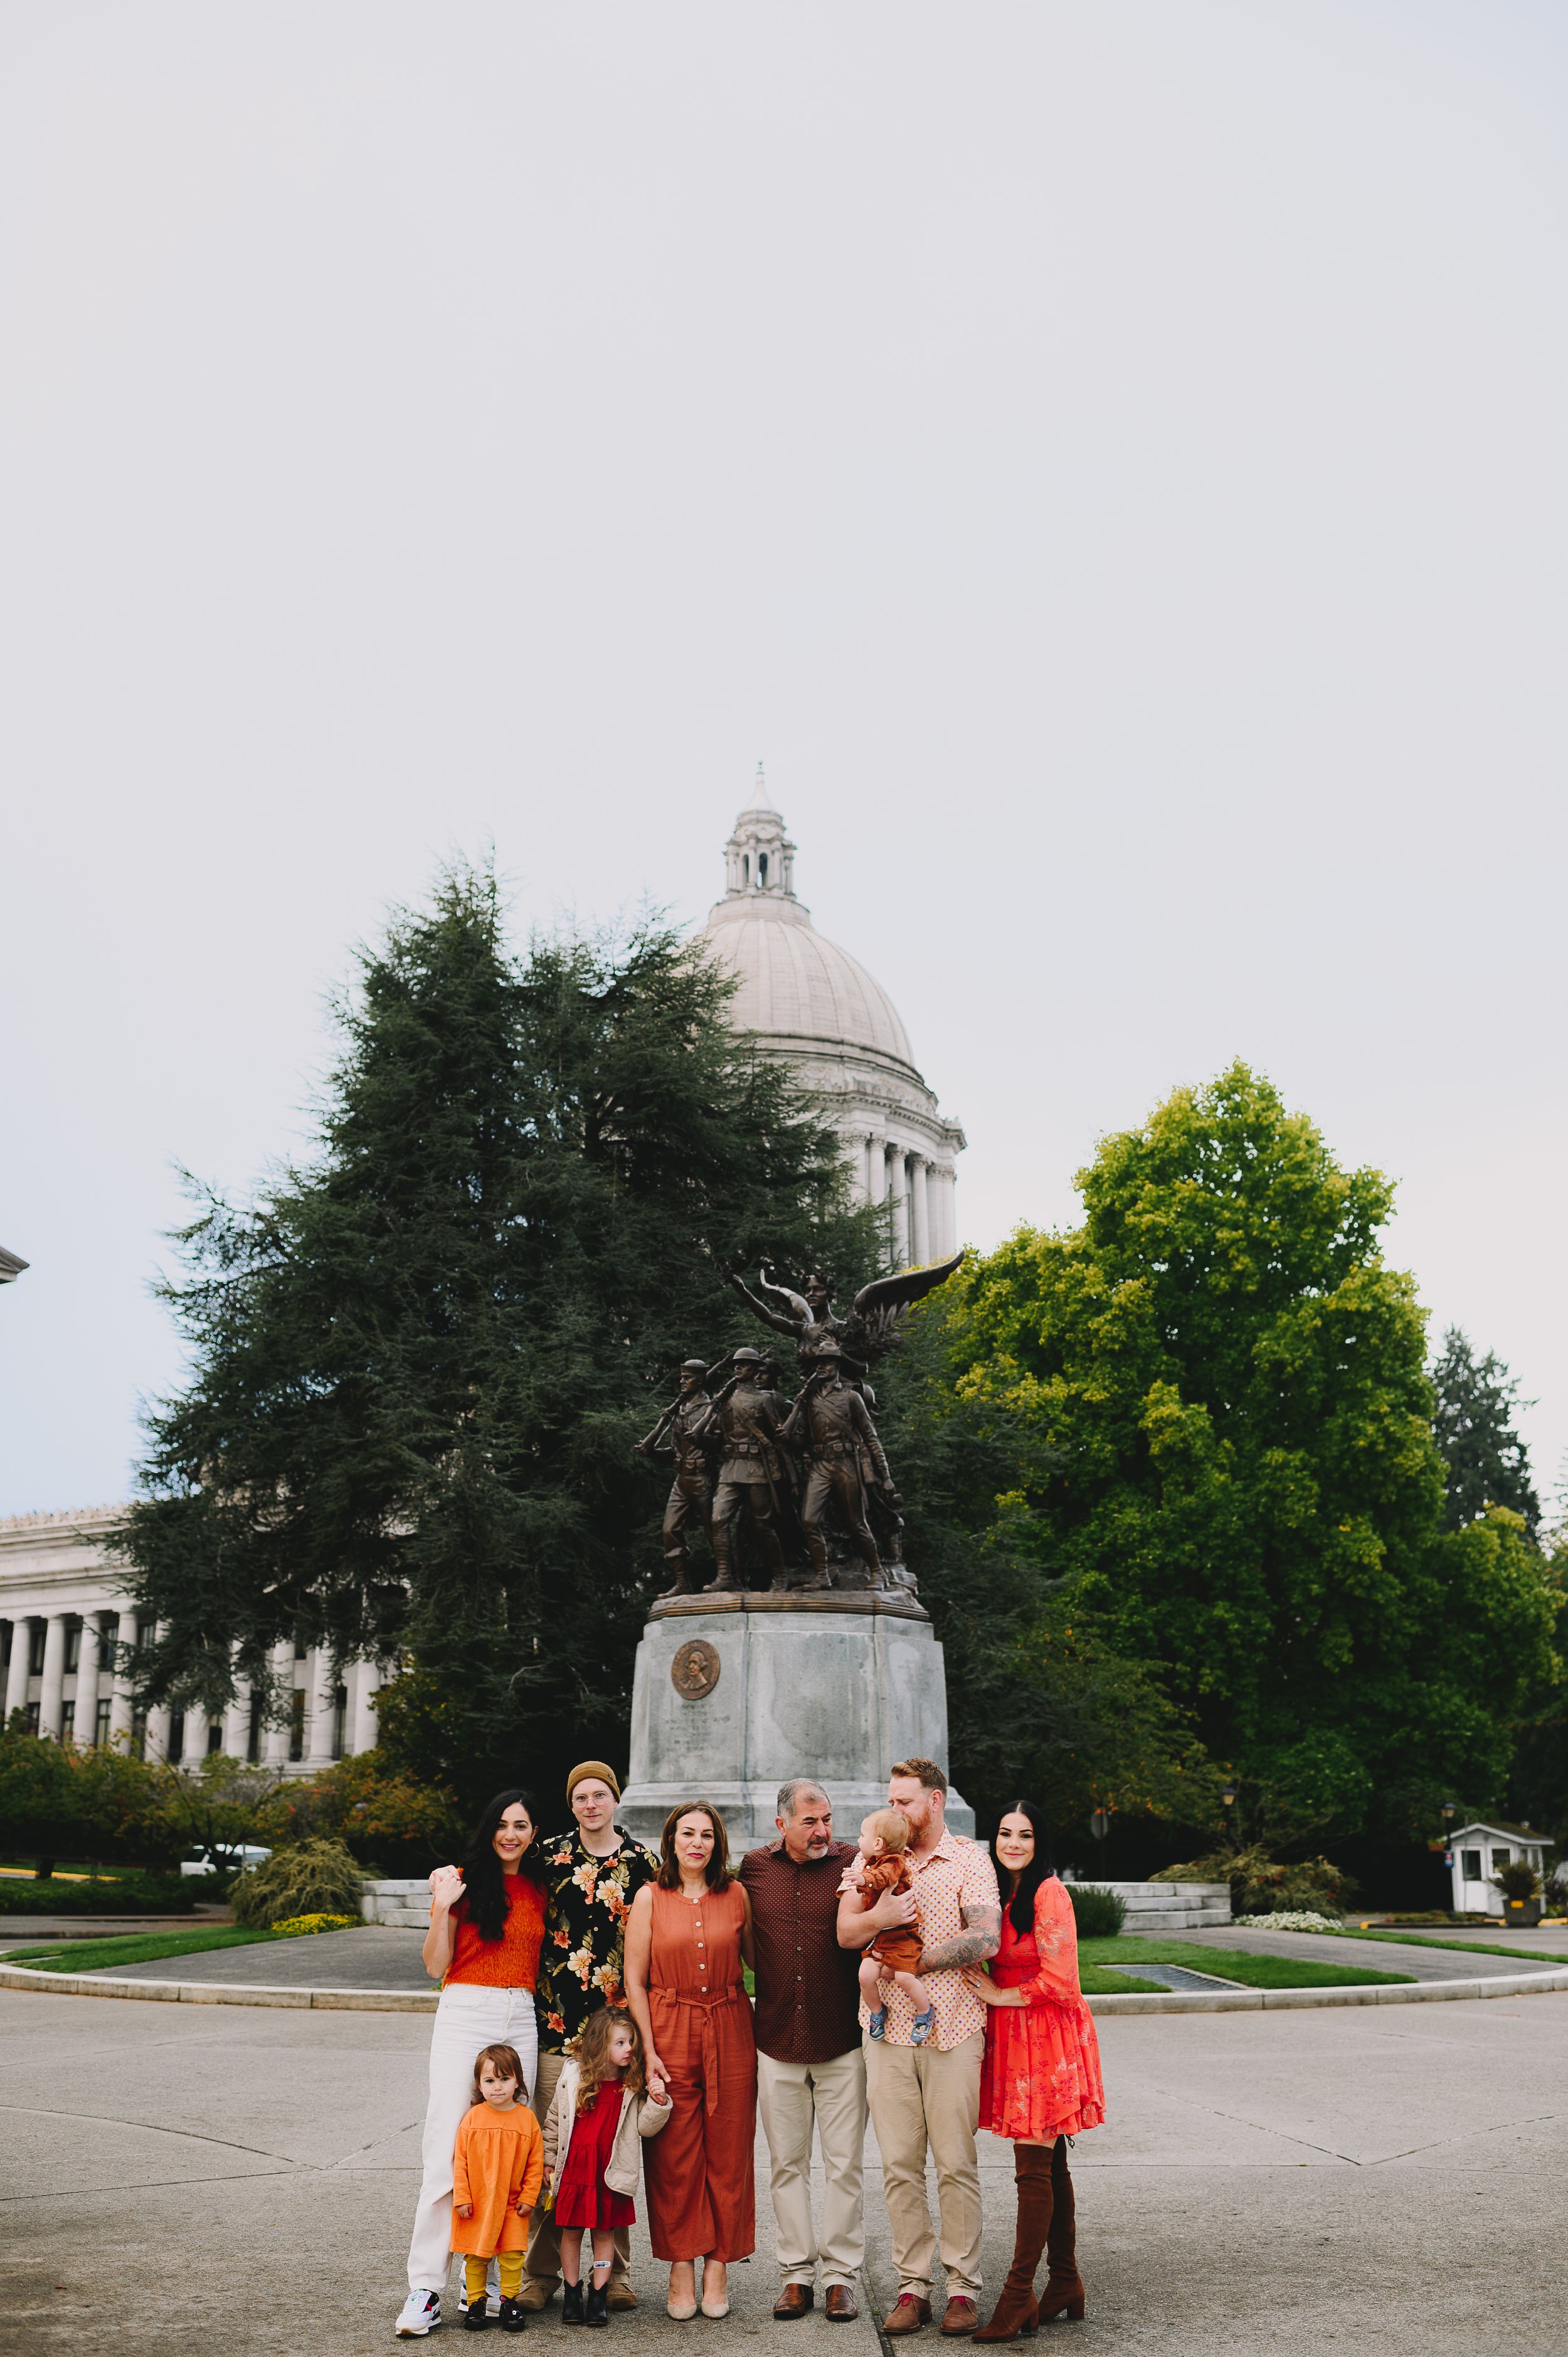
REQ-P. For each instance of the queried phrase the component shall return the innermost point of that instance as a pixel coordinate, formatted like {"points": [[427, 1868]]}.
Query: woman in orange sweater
{"points": [[487, 1926]]}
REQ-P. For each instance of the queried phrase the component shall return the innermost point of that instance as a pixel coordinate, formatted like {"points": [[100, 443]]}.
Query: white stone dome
{"points": [[792, 982], [815, 1006]]}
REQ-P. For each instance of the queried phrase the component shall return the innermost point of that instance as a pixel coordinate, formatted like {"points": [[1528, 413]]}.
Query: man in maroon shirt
{"points": [[810, 2069]]}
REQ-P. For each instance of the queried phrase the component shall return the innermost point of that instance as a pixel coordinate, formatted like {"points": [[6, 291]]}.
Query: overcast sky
{"points": [[1107, 459]]}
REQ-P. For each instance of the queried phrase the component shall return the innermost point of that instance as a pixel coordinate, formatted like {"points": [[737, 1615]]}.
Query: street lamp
{"points": [[1099, 1825]]}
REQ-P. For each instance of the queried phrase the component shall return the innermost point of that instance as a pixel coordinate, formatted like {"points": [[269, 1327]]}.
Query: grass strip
{"points": [[1097, 1982], [1459, 1947], [1228, 1964], [136, 1948]]}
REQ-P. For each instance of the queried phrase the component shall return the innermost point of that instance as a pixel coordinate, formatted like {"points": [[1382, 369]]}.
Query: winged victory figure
{"points": [[870, 1331]]}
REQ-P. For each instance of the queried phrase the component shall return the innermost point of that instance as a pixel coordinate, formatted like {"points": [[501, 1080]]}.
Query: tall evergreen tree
{"points": [[1485, 1462], [418, 1363]]}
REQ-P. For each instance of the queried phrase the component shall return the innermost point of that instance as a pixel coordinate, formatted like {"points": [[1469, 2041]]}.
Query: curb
{"points": [[349, 2000], [321, 2000], [1371, 1993]]}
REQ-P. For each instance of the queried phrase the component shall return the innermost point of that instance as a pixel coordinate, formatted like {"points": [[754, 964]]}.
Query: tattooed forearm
{"points": [[981, 1938]]}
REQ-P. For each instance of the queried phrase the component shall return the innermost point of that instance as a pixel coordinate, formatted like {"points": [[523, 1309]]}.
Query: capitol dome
{"points": [[811, 1003]]}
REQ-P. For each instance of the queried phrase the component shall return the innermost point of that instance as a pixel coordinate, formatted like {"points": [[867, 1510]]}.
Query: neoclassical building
{"points": [[67, 1627], [70, 1630], [813, 1006]]}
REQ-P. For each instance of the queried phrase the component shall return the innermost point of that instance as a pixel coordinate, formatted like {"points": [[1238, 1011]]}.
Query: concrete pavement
{"points": [[1288, 2181]]}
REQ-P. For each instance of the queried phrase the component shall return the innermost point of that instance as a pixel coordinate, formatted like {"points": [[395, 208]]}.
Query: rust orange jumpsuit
{"points": [[701, 2197]]}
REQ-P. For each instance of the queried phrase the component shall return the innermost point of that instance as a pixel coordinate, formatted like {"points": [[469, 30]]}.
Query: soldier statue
{"points": [[843, 1458], [747, 1417], [691, 1498]]}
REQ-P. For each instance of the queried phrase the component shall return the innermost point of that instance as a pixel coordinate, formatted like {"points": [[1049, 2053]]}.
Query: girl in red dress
{"points": [[1040, 2081], [602, 2109]]}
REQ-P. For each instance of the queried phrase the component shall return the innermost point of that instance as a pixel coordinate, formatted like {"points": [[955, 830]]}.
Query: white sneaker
{"points": [[421, 2314]]}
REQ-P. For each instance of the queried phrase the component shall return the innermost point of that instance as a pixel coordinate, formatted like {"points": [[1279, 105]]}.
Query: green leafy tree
{"points": [[1485, 1461], [1243, 1485], [1040, 1702], [418, 1361]]}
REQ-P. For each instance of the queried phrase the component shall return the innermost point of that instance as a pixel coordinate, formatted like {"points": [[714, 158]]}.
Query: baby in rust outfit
{"points": [[892, 1956]]}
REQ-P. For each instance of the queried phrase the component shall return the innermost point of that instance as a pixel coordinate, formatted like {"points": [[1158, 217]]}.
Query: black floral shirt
{"points": [[587, 1900]]}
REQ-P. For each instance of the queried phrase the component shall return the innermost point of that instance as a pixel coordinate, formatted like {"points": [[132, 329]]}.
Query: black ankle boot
{"points": [[598, 2304], [572, 2303]]}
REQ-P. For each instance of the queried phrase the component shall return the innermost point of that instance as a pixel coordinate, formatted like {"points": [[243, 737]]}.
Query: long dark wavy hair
{"points": [[1039, 1869], [484, 1884]]}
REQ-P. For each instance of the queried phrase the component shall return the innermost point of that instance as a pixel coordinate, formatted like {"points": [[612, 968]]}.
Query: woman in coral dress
{"points": [[1040, 2081], [687, 1938]]}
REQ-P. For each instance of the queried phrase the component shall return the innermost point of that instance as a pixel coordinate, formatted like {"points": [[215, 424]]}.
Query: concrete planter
{"points": [[1523, 1913]]}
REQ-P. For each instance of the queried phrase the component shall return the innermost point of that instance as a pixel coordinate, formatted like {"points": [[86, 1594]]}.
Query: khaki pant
{"points": [[920, 2097], [791, 2096], [544, 2235]]}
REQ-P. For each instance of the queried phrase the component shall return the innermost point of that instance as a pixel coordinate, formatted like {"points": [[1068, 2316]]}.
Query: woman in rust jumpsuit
{"points": [[687, 1936]]}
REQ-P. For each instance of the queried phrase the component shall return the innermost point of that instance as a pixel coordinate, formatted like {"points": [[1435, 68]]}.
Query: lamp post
{"points": [[1227, 1802], [1099, 1825]]}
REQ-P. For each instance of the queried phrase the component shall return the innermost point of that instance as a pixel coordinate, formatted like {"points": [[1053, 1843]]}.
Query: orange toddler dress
{"points": [[497, 2156]]}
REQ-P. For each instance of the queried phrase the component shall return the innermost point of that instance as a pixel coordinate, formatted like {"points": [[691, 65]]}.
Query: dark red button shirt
{"points": [[807, 1992]]}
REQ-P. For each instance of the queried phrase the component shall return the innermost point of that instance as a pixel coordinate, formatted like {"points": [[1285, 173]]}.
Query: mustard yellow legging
{"points": [[475, 2272]]}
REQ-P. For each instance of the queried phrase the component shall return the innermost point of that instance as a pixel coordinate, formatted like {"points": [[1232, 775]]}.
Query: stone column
{"points": [[876, 1169], [52, 1693], [158, 1724], [939, 1190], [17, 1675], [364, 1679], [237, 1722], [920, 1204], [87, 1661], [898, 1186], [274, 1739], [319, 1707], [120, 1711]]}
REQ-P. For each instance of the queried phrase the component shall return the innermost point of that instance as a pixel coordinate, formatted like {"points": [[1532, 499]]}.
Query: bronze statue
{"points": [[844, 1458], [746, 1415], [691, 1498], [870, 1331]]}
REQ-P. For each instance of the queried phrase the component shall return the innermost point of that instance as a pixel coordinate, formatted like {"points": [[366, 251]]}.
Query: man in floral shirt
{"points": [[592, 1874]]}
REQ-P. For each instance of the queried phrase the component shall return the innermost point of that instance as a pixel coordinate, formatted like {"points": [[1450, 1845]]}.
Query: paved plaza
{"points": [[176, 2176]]}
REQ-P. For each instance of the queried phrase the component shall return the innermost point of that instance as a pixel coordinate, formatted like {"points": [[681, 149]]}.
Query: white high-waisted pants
{"points": [[466, 2018]]}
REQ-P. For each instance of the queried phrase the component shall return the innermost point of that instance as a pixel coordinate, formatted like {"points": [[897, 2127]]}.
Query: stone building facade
{"points": [[69, 1629], [812, 1005]]}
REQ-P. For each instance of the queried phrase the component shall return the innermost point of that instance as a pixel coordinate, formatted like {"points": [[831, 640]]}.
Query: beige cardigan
{"points": [[640, 2115]]}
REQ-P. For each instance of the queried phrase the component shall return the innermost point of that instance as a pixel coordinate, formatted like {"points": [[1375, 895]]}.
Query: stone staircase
{"points": [[1170, 1906], [405, 1906]]}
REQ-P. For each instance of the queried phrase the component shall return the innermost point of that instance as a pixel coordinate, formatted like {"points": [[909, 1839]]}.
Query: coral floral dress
{"points": [[1040, 2079]]}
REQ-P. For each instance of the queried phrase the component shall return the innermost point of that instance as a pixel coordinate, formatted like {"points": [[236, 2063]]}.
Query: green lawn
{"points": [[1096, 1981], [1223, 1963], [1462, 1947], [91, 1955]]}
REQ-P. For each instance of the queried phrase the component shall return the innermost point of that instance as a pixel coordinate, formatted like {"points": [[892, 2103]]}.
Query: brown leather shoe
{"points": [[906, 2315], [620, 2295], [962, 2317], [794, 2299], [842, 2307]]}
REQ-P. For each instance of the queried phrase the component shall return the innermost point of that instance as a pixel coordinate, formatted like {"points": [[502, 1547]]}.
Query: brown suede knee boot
{"points": [[1015, 2311], [1064, 2285]]}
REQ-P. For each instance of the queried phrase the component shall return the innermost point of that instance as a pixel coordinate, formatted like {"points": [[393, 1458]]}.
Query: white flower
{"points": [[1292, 1919]]}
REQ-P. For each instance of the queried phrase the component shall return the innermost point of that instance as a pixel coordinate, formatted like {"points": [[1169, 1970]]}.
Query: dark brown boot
{"points": [[1015, 2311], [1064, 2285]]}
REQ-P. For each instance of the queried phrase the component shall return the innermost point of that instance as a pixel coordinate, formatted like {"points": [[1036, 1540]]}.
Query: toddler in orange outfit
{"points": [[497, 2163], [892, 1956]]}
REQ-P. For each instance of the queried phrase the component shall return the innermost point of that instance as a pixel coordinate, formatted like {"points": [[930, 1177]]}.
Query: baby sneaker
{"points": [[877, 2027], [475, 2317], [512, 2318], [922, 2026]]}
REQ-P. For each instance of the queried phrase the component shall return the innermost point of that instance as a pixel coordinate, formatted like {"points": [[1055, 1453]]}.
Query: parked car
{"points": [[206, 1861]]}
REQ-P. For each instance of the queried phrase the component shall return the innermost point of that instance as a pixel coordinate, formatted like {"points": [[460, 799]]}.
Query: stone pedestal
{"points": [[734, 1693]]}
